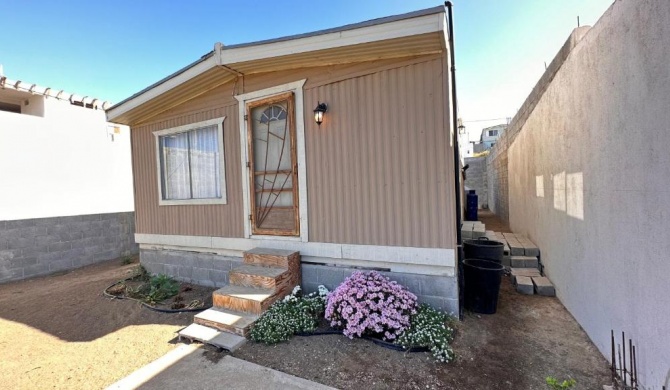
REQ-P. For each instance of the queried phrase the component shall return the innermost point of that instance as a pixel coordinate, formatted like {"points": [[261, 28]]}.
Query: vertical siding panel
{"points": [[217, 220], [379, 168]]}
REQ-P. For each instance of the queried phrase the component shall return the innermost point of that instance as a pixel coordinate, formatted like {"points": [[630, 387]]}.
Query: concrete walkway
{"points": [[186, 367]]}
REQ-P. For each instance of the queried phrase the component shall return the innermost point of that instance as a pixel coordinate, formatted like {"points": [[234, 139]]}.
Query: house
{"points": [[337, 144], [489, 137], [67, 197]]}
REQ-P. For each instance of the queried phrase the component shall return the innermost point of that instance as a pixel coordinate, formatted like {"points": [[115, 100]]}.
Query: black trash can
{"points": [[482, 285], [483, 248]]}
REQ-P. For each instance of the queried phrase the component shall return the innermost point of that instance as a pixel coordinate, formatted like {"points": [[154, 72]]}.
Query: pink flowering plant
{"points": [[369, 303]]}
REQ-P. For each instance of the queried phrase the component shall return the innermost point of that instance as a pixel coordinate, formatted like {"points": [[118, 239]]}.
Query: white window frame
{"points": [[222, 163], [297, 88]]}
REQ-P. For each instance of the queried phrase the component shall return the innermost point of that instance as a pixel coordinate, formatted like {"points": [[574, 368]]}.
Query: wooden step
{"points": [[273, 258], [258, 276], [226, 320], [245, 299]]}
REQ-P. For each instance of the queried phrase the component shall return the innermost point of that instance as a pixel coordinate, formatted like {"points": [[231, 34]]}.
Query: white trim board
{"points": [[380, 32], [297, 88], [430, 261]]}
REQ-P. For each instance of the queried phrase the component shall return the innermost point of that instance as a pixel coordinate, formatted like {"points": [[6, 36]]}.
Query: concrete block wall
{"points": [[440, 292], [209, 269], [33, 247], [497, 160], [588, 181], [476, 179], [496, 183], [204, 269]]}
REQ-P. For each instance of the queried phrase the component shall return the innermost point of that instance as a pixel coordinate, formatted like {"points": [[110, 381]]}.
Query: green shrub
{"points": [[432, 329], [554, 384], [161, 287], [294, 314]]}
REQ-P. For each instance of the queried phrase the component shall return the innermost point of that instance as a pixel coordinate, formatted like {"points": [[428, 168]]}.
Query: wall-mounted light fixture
{"points": [[461, 129], [320, 109]]}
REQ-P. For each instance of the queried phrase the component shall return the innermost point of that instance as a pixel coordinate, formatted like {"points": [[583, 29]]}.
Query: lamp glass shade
{"points": [[320, 109]]}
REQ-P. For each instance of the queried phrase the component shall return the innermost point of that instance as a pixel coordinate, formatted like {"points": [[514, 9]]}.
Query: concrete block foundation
{"points": [[208, 269]]}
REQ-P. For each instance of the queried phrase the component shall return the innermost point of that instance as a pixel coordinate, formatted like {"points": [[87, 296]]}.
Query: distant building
{"points": [[489, 137], [491, 134]]}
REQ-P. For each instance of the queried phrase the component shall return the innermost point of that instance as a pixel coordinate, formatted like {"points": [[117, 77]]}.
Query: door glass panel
{"points": [[272, 143]]}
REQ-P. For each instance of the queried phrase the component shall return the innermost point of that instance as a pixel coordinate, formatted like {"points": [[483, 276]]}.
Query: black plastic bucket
{"points": [[483, 248], [482, 285]]}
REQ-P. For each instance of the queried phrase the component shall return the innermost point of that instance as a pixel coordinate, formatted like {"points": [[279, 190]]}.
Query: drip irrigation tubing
{"points": [[376, 341], [158, 309]]}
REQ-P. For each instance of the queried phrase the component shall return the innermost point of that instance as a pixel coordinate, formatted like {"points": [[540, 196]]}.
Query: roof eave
{"points": [[431, 20]]}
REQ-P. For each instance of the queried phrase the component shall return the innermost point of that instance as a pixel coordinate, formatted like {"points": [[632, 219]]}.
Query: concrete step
{"points": [[527, 272], [524, 285], [544, 287], [226, 320], [251, 275], [207, 335], [523, 262], [245, 299]]}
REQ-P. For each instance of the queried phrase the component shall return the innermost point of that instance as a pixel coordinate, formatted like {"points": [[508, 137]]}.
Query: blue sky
{"points": [[113, 49]]}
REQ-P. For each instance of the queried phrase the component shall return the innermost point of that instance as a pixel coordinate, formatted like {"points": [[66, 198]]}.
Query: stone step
{"points": [[272, 257], [543, 286], [528, 272], [523, 262], [524, 285], [226, 320], [207, 335], [515, 247], [245, 299], [251, 275]]}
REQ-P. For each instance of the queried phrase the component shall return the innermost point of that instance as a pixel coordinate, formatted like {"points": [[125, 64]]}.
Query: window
{"points": [[493, 133], [190, 164]]}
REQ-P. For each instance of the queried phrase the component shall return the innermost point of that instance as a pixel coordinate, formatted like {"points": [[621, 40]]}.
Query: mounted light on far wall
{"points": [[320, 109], [461, 129]]}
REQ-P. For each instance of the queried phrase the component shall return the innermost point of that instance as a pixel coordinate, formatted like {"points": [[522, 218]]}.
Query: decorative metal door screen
{"points": [[273, 167]]}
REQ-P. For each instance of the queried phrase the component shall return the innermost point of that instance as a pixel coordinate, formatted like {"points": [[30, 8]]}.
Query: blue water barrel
{"points": [[471, 206]]}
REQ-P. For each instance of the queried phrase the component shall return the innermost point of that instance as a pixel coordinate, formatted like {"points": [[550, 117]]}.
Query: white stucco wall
{"points": [[589, 182], [63, 163]]}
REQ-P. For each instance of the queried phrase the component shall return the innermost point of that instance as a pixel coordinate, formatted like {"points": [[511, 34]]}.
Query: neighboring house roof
{"points": [[415, 33], [34, 89]]}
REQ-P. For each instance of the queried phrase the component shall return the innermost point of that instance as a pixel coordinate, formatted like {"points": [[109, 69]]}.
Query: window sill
{"points": [[188, 202]]}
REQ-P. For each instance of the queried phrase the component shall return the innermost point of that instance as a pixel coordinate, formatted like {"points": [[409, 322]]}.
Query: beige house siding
{"points": [[379, 169]]}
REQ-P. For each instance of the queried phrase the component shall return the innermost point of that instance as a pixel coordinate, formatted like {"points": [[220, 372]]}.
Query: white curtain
{"points": [[205, 175], [175, 170], [190, 164]]}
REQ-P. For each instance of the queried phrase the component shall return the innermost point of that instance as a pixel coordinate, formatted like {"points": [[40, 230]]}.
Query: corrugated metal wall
{"points": [[379, 169], [199, 220]]}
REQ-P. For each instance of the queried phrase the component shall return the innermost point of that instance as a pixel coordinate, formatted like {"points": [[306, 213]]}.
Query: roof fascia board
{"points": [[434, 22], [380, 32], [124, 107]]}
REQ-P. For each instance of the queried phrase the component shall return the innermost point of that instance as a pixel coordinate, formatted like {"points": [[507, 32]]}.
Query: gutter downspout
{"points": [[457, 160]]}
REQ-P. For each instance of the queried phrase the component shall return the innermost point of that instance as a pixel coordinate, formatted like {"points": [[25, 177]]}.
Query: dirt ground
{"points": [[528, 339], [60, 332]]}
